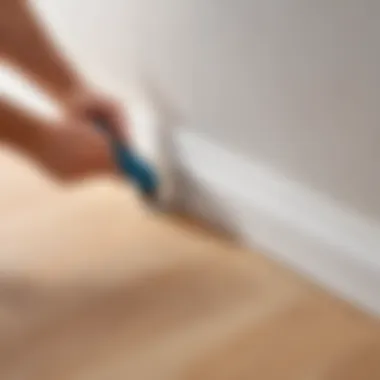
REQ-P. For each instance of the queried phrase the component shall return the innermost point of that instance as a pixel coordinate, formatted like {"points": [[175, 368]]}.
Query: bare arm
{"points": [[24, 42], [66, 150]]}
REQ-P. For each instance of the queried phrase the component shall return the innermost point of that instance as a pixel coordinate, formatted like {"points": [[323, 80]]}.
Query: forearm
{"points": [[24, 41], [20, 128]]}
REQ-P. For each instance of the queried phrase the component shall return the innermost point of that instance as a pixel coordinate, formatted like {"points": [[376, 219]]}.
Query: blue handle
{"points": [[130, 164]]}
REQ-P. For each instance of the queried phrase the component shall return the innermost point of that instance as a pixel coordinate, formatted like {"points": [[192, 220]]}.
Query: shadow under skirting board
{"points": [[285, 220]]}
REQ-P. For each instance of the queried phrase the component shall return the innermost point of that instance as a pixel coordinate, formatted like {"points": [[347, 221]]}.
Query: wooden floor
{"points": [[94, 286]]}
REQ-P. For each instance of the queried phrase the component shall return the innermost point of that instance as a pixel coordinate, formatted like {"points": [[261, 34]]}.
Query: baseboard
{"points": [[334, 246]]}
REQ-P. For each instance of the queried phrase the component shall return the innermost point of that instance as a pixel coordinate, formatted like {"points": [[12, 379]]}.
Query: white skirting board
{"points": [[289, 222]]}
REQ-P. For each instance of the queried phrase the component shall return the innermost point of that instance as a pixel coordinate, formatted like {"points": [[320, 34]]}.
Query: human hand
{"points": [[76, 148], [86, 105], [71, 151]]}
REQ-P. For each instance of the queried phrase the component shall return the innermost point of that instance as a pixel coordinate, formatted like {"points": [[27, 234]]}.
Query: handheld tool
{"points": [[130, 164]]}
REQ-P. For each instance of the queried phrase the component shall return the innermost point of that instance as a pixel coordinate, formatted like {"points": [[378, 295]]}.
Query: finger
{"points": [[74, 152], [115, 118], [90, 153]]}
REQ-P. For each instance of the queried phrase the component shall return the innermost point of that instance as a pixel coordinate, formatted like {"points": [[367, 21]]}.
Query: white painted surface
{"points": [[292, 83], [296, 226]]}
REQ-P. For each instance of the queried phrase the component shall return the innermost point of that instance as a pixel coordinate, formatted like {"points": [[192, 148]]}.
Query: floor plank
{"points": [[94, 286]]}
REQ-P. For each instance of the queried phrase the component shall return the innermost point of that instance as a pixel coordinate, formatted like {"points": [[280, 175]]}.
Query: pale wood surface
{"points": [[94, 286]]}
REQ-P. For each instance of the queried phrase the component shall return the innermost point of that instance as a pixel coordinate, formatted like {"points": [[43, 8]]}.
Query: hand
{"points": [[76, 148], [72, 151], [67, 149], [84, 105]]}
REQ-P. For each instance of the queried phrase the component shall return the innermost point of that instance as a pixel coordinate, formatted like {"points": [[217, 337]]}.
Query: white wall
{"points": [[294, 84]]}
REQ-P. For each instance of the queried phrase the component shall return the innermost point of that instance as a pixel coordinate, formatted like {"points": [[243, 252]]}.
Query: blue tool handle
{"points": [[131, 165]]}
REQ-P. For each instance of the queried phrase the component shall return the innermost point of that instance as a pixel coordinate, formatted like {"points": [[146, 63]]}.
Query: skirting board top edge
{"points": [[336, 246]]}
